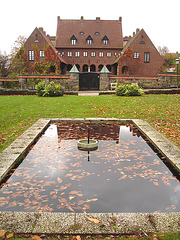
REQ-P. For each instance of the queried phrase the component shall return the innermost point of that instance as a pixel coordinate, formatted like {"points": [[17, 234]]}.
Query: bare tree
{"points": [[17, 45], [4, 65], [163, 50]]}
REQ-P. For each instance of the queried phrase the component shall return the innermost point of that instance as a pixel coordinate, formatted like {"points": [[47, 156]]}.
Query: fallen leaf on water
{"points": [[93, 220], [91, 200], [59, 180], [70, 208]]}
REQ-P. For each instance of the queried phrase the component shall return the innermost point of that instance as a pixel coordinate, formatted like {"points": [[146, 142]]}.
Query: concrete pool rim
{"points": [[77, 223]]}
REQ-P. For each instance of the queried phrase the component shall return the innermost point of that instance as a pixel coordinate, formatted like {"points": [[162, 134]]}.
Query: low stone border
{"points": [[78, 223], [4, 91]]}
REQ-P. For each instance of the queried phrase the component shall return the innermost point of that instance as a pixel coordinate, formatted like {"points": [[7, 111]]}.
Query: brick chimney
{"points": [[120, 19]]}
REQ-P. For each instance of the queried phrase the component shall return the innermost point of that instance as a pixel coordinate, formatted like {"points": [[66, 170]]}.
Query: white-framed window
{"points": [[136, 54], [77, 54], [105, 40], [93, 54], [73, 41], [69, 54], [41, 53], [108, 54], [89, 42], [147, 57], [101, 54], [85, 54], [31, 55]]}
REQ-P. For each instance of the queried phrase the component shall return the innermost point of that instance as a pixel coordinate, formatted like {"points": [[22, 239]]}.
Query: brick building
{"points": [[139, 56], [91, 44]]}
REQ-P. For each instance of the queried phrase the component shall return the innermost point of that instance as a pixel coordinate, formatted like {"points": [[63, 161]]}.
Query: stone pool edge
{"points": [[77, 223]]}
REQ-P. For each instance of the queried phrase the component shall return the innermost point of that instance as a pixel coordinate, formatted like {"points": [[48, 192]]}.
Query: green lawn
{"points": [[17, 113]]}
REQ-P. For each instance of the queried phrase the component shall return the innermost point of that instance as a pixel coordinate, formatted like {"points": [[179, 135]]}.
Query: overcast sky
{"points": [[159, 18]]}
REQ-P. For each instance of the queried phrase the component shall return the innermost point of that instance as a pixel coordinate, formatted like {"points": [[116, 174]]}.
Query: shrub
{"points": [[49, 90], [40, 87], [129, 90]]}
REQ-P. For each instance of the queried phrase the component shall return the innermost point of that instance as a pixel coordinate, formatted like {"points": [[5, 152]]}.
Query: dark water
{"points": [[123, 175]]}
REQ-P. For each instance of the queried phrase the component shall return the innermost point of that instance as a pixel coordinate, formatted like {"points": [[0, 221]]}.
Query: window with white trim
{"points": [[69, 54], [93, 54], [77, 54], [41, 53], [147, 57], [108, 54], [85, 54], [101, 54], [136, 54], [31, 55]]}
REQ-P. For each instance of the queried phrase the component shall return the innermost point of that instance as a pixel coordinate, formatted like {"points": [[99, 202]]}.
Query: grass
{"points": [[17, 113]]}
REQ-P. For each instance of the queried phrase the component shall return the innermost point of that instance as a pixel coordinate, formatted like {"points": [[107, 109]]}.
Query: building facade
{"points": [[89, 44], [92, 44]]}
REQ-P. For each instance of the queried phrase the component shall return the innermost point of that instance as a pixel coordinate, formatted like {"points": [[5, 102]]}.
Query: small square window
{"points": [[136, 54], [41, 53], [69, 54], [85, 54], [108, 54], [77, 54], [101, 54], [93, 54]]}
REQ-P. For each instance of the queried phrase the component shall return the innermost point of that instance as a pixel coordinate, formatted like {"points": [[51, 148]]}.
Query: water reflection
{"points": [[124, 177]]}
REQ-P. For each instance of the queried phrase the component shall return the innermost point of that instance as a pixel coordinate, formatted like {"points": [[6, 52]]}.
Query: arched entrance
{"points": [[92, 68], [108, 67], [85, 68], [78, 67], [69, 66], [125, 70], [100, 67]]}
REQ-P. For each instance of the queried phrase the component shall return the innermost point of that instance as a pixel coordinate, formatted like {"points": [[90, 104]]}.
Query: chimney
{"points": [[98, 19], [133, 34], [137, 30], [120, 19], [41, 29], [58, 18], [82, 18]]}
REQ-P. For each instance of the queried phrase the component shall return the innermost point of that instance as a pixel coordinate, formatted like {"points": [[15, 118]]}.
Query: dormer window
{"points": [[73, 40], [89, 40], [105, 40]]}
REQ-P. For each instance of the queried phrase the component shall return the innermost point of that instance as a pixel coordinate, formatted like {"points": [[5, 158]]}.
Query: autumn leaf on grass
{"points": [[10, 235], [36, 237], [94, 220]]}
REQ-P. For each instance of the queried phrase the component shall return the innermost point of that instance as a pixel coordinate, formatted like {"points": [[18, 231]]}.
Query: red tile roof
{"points": [[97, 29]]}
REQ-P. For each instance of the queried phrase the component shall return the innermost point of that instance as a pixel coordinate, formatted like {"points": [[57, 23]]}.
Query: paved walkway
{"points": [[92, 94]]}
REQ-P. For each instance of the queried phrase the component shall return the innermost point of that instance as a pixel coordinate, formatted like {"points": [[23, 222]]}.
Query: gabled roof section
{"points": [[73, 37], [97, 29], [47, 39], [105, 38], [89, 38]]}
